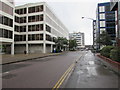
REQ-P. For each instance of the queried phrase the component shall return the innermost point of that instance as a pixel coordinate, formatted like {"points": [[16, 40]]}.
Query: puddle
{"points": [[91, 62], [92, 71]]}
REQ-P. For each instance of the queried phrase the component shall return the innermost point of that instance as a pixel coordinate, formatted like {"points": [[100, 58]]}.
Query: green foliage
{"points": [[105, 51], [72, 44], [115, 54], [104, 39], [60, 43]]}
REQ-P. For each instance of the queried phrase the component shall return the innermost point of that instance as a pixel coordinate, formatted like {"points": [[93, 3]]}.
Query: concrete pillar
{"points": [[27, 33], [27, 48], [12, 48], [44, 47], [51, 48]]}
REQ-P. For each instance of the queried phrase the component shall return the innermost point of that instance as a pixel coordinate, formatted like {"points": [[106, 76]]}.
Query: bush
{"points": [[105, 51], [115, 54]]}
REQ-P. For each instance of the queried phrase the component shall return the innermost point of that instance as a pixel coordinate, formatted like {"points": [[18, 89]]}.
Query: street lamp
{"points": [[89, 19]]}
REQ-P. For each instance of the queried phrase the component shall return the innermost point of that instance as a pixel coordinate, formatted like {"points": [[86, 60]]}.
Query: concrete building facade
{"points": [[7, 26], [79, 37], [36, 28], [105, 21]]}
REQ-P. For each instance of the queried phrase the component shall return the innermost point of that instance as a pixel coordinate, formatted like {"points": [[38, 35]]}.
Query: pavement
{"points": [[90, 72], [7, 58]]}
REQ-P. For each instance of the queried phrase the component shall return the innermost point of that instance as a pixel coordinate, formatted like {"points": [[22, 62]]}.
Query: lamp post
{"points": [[87, 18], [93, 26]]}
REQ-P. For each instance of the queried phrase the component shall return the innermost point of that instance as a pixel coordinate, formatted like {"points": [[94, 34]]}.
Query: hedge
{"points": [[105, 51], [115, 54]]}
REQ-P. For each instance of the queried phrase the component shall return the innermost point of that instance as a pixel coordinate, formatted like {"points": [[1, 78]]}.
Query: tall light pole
{"points": [[93, 28], [87, 18]]}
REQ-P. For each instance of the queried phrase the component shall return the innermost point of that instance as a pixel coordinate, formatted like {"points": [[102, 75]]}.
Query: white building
{"points": [[36, 27], [79, 37], [6, 26]]}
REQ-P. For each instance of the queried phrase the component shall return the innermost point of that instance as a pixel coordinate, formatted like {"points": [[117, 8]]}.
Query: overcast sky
{"points": [[70, 13]]}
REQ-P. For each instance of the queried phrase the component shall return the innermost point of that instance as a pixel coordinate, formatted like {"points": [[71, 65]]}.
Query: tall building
{"points": [[115, 6], [36, 28], [94, 35], [79, 37], [105, 21], [7, 26]]}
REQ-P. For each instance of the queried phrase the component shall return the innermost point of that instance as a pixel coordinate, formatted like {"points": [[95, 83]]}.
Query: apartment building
{"points": [[105, 21], [94, 35], [79, 37], [115, 6], [36, 27], [6, 26]]}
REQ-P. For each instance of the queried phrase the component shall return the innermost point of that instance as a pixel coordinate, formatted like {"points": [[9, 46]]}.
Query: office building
{"points": [[105, 21], [79, 37], [36, 28], [115, 6], [94, 35], [6, 26]]}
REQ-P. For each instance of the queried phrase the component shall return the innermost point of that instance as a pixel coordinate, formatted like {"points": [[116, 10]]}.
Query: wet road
{"points": [[91, 73], [38, 73]]}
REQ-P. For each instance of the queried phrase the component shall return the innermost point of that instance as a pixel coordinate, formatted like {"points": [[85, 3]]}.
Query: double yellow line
{"points": [[59, 83]]}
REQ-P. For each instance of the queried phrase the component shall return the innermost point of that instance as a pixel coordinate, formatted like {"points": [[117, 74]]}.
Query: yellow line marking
{"points": [[61, 80], [62, 77], [65, 76]]}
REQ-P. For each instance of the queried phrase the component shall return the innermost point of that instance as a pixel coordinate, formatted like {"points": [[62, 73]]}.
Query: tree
{"points": [[104, 39], [72, 44], [61, 43]]}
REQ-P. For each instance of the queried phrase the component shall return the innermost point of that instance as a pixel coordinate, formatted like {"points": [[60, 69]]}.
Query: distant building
{"points": [[94, 35], [105, 21], [36, 28], [7, 26], [79, 37], [115, 6]]}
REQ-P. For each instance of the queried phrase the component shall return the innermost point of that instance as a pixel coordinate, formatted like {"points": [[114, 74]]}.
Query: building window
{"points": [[102, 16], [102, 23], [20, 37], [21, 11], [5, 33], [33, 37], [48, 37], [22, 19], [38, 27], [101, 8], [35, 18], [48, 28], [101, 30], [6, 21], [35, 9]]}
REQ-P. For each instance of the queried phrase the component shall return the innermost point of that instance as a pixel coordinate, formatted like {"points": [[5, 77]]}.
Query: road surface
{"points": [[38, 73]]}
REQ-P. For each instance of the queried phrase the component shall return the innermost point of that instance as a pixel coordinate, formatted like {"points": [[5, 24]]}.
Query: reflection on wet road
{"points": [[90, 73]]}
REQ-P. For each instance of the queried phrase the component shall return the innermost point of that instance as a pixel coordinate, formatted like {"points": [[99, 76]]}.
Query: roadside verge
{"points": [[113, 65]]}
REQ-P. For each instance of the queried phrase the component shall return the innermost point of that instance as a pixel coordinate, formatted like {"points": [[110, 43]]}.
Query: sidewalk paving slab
{"points": [[7, 58]]}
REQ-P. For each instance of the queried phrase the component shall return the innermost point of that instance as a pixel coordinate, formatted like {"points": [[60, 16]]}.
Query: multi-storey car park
{"points": [[36, 28], [6, 26]]}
